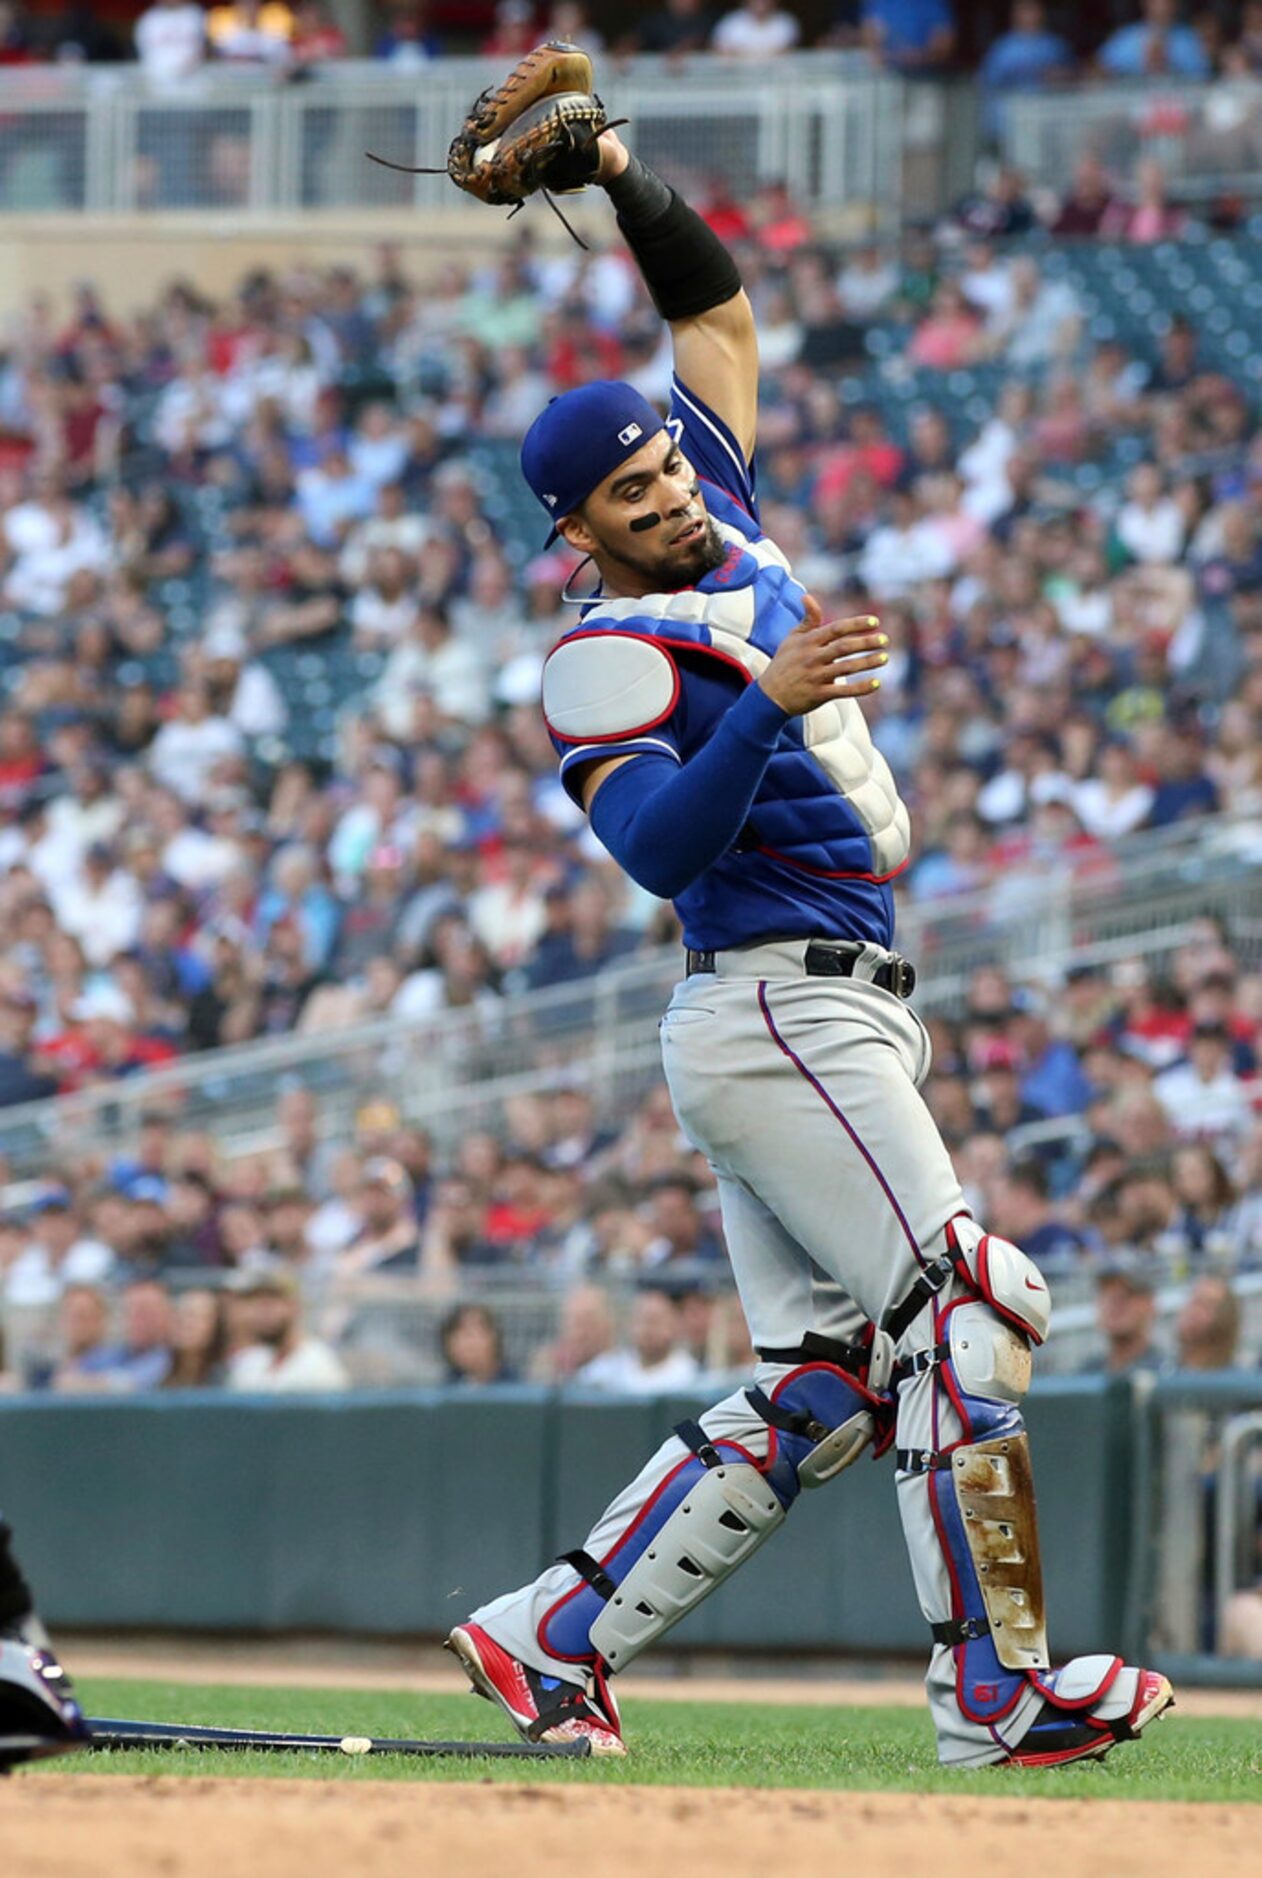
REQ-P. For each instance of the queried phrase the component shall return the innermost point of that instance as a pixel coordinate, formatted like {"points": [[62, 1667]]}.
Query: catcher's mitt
{"points": [[534, 134]]}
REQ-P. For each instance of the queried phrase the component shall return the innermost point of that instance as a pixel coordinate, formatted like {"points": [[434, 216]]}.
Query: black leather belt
{"points": [[835, 958]]}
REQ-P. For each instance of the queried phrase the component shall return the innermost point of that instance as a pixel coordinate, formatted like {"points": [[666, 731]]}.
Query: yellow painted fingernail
{"points": [[883, 640], [876, 684], [873, 620], [883, 657]]}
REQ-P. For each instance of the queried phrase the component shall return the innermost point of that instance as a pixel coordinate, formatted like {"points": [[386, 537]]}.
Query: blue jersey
{"points": [[826, 833]]}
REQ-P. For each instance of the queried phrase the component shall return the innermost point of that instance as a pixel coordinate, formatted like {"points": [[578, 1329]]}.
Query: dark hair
{"points": [[1032, 1177], [452, 1322]]}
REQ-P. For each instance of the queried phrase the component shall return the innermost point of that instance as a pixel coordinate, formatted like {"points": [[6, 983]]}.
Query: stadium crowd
{"points": [[271, 760], [1034, 45]]}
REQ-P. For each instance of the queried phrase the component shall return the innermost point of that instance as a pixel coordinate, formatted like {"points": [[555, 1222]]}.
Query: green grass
{"points": [[696, 1744]]}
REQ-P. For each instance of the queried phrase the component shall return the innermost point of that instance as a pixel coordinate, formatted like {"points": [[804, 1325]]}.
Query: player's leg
{"points": [[807, 1091], [708, 1498], [38, 1712]]}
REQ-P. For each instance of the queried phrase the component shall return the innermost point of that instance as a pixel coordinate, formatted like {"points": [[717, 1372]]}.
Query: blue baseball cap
{"points": [[580, 438]]}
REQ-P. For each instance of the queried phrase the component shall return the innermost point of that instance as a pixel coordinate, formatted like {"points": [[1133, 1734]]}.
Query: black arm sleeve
{"points": [[685, 266]]}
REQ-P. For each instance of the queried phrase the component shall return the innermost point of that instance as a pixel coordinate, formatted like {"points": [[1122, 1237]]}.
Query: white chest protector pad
{"points": [[607, 685]]}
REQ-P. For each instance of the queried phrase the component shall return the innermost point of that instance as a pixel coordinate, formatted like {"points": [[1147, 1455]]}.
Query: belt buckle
{"points": [[902, 975]]}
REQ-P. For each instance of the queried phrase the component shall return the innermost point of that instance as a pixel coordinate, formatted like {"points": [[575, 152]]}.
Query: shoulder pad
{"points": [[600, 686]]}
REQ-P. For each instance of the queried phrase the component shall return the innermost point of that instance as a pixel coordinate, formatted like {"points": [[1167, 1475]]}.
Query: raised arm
{"points": [[695, 287]]}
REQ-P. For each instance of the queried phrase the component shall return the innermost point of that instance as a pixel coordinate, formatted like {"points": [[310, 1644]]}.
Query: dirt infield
{"points": [[86, 1825], [83, 1824]]}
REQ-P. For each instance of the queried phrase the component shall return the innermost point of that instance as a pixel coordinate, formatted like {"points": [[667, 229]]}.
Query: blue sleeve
{"points": [[659, 742], [666, 824], [711, 448]]}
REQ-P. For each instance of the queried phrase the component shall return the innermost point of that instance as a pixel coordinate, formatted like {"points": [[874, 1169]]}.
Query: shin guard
{"points": [[704, 1504]]}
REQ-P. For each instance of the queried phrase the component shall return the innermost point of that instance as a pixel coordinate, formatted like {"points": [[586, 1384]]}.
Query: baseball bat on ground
{"points": [[112, 1735]]}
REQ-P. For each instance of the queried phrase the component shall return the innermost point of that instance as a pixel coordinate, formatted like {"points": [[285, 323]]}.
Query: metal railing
{"points": [[1205, 136], [1193, 1548], [453, 1072], [104, 138]]}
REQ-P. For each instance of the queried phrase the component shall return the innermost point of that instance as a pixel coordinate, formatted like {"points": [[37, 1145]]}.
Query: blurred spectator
{"points": [[757, 30], [1087, 201], [949, 336], [408, 39], [913, 36], [571, 21], [85, 1355], [251, 32], [471, 1339], [1126, 1311], [680, 26], [20, 1078], [681, 1235], [144, 1356], [652, 1361], [1206, 1222], [316, 36], [1202, 1096], [1151, 216], [1028, 57], [199, 1339], [171, 41], [280, 1357], [388, 1240], [1208, 1326], [513, 34], [585, 1333], [579, 937], [1155, 46], [56, 1255], [1021, 1209]]}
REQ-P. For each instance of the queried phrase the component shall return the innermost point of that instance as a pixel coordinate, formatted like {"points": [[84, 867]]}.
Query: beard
{"points": [[673, 568]]}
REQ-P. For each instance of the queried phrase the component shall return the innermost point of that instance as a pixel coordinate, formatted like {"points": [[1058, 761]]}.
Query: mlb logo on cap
{"points": [[582, 437]]}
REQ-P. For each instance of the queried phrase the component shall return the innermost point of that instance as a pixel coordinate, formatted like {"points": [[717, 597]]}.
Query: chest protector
{"points": [[828, 803]]}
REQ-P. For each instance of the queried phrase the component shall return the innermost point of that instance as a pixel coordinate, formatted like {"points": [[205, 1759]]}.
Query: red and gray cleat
{"points": [[541, 1708], [1081, 1723]]}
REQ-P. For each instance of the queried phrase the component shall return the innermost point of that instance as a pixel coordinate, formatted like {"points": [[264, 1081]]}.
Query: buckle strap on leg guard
{"points": [[909, 1366], [788, 1421], [931, 1280], [921, 1461], [695, 1438], [815, 1348], [586, 1567], [960, 1630]]}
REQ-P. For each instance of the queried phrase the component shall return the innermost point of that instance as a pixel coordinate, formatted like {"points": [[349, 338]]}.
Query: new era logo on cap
{"points": [[630, 434], [551, 501]]}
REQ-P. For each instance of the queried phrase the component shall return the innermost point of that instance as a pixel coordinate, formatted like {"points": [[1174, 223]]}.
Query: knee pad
{"points": [[719, 1501]]}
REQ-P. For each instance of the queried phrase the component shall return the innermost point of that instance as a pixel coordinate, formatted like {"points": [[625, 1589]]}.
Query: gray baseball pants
{"points": [[834, 1184]]}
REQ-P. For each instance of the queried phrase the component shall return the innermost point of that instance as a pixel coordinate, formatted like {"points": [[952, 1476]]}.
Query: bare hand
{"points": [[823, 659]]}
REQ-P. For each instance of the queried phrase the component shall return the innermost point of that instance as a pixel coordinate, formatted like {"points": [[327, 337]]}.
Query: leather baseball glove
{"points": [[533, 135]]}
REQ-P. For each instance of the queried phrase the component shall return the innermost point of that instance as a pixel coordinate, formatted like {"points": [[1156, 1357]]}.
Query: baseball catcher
{"points": [[709, 720], [38, 1712]]}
